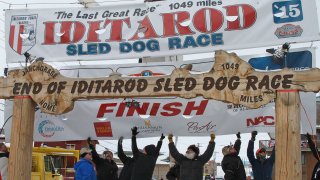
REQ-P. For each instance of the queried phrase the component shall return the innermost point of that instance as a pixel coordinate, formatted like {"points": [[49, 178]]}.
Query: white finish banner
{"points": [[112, 118], [163, 28]]}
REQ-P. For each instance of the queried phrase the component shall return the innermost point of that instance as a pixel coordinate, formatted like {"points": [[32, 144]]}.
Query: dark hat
{"points": [[150, 149], [194, 148]]}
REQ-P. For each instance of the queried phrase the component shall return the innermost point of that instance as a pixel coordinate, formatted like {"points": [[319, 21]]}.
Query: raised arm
{"points": [[121, 154], [95, 156], [173, 150], [273, 155], [250, 153], [237, 144], [134, 146], [159, 144], [205, 157]]}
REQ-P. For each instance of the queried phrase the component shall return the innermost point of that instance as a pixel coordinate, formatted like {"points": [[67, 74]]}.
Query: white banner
{"points": [[162, 28], [112, 118]]}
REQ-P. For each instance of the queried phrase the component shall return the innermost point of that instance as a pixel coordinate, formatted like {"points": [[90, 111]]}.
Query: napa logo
{"points": [[47, 128]]}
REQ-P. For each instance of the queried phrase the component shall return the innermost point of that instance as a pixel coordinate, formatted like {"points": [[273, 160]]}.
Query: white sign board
{"points": [[162, 28]]}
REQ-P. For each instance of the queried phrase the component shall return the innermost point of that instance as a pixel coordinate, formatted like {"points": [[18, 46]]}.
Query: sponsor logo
{"points": [[287, 11], [147, 73], [47, 128], [288, 30], [260, 121], [22, 36], [149, 128], [196, 127], [103, 129], [239, 107]]}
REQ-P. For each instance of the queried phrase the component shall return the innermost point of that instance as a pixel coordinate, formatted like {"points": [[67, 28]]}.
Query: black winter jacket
{"points": [[174, 173], [261, 170], [144, 163], [106, 170], [316, 169], [128, 163], [191, 169], [232, 165]]}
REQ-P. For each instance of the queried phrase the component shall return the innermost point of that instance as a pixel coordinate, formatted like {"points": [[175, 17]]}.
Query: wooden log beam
{"points": [[288, 142], [231, 80], [20, 161]]}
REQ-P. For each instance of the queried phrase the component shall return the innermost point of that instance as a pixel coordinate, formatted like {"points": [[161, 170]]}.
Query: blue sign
{"points": [[287, 11], [295, 60]]}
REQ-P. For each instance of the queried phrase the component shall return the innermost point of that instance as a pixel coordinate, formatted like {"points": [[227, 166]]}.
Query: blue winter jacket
{"points": [[84, 170], [261, 171]]}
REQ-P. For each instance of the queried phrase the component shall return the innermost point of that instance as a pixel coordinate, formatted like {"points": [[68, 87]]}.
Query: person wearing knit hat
{"points": [[191, 164], [261, 166], [84, 167], [145, 161], [231, 163]]}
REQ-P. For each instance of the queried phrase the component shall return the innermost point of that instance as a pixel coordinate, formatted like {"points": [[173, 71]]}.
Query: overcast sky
{"points": [[183, 141]]}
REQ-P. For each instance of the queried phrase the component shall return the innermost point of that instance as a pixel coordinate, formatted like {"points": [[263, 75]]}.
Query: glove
{"points": [[134, 131], [120, 139], [170, 136], [238, 135], [91, 146], [162, 137], [212, 137], [89, 140], [253, 135]]}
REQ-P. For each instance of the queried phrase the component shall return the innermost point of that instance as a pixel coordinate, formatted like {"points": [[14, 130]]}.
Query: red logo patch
{"points": [[103, 129]]}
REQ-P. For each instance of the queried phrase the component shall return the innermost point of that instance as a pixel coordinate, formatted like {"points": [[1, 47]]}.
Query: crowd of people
{"points": [[188, 166]]}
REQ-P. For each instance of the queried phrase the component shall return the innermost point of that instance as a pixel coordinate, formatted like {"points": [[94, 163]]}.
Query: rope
{"points": [[55, 3]]}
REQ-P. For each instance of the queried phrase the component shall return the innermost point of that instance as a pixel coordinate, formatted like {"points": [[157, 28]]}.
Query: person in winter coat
{"points": [[4, 159], [128, 162], [144, 161], [174, 172], [231, 163], [191, 164], [261, 166], [107, 169], [315, 152], [84, 167]]}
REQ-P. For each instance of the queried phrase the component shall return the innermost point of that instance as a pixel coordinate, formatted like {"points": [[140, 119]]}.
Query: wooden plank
{"points": [[288, 142], [20, 161]]}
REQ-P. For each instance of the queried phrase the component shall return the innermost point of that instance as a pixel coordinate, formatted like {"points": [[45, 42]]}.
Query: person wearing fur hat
{"points": [[84, 167], [106, 167], [231, 163], [144, 161], [261, 166], [191, 164]]}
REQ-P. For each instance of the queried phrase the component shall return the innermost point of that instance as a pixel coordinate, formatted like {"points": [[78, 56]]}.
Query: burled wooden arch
{"points": [[231, 80]]}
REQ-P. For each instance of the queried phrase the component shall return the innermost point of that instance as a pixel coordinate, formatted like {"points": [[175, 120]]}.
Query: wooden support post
{"points": [[288, 147], [20, 161]]}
